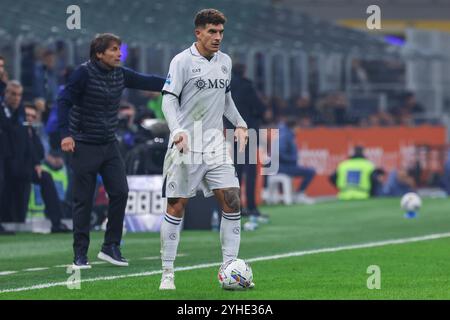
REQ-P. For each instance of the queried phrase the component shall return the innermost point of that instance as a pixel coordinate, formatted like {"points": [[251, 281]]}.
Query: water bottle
{"points": [[215, 221]]}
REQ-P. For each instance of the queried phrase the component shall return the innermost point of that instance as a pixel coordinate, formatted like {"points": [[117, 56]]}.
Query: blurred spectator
{"points": [[303, 110], [147, 156], [5, 154], [335, 110], [399, 182], [18, 166], [252, 110], [155, 104], [3, 77], [53, 208], [126, 129], [379, 119], [142, 119], [51, 127], [268, 116], [45, 83], [279, 108], [446, 176], [408, 109], [288, 159], [356, 178]]}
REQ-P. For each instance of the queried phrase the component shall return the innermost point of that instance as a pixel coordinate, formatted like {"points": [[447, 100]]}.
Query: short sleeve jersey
{"points": [[200, 85]]}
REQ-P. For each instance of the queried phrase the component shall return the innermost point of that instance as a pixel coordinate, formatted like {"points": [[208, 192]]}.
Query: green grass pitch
{"points": [[408, 269]]}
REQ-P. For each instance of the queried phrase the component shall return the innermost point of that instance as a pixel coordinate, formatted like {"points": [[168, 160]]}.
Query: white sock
{"points": [[230, 235], [170, 237]]}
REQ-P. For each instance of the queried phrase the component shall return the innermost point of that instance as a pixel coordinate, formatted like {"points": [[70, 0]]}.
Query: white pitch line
{"points": [[5, 273], [159, 257], [273, 257], [35, 269]]}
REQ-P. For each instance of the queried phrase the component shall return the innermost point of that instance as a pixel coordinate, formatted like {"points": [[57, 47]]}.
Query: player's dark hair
{"points": [[102, 42], [2, 58], [205, 16]]}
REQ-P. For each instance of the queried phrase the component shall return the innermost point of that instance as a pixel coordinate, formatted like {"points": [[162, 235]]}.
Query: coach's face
{"points": [[210, 37], [111, 56]]}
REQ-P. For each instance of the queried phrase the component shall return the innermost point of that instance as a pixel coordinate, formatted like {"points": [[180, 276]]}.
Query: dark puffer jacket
{"points": [[89, 104]]}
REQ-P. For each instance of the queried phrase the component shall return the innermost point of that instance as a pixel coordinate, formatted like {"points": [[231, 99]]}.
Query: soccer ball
{"points": [[235, 275], [411, 202]]}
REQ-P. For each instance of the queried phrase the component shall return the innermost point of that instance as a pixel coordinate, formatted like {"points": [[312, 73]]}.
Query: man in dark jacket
{"points": [[3, 77], [5, 151], [53, 208], [288, 158], [252, 110], [88, 118], [17, 166]]}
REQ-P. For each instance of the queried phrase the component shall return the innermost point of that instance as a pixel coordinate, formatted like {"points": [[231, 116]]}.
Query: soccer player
{"points": [[87, 118], [196, 96]]}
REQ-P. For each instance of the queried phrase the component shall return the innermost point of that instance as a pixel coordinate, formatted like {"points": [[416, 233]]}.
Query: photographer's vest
{"points": [[36, 206], [353, 179]]}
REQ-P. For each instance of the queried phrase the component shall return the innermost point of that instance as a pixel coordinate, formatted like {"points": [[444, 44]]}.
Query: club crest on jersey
{"points": [[224, 69], [211, 84]]}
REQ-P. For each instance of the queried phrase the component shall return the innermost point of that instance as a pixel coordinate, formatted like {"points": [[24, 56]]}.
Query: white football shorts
{"points": [[184, 174]]}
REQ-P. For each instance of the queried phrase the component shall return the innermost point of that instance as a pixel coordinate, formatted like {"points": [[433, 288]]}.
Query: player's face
{"points": [[111, 56], [210, 37]]}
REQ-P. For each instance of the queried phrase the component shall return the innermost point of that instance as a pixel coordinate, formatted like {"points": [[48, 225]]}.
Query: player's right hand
{"points": [[181, 142], [68, 144]]}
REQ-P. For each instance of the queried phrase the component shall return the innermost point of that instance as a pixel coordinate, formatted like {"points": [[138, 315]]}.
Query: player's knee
{"points": [[232, 199], [176, 206]]}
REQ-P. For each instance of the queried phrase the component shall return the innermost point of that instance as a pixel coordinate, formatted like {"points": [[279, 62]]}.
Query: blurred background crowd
{"points": [[307, 71]]}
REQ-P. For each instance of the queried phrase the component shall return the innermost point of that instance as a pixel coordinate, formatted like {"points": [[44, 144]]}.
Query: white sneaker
{"points": [[250, 226], [167, 280], [252, 285], [303, 198]]}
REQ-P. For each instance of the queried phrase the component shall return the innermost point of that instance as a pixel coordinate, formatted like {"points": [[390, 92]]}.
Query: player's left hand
{"points": [[241, 136]]}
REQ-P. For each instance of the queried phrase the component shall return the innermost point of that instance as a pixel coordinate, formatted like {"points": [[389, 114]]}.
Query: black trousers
{"points": [[87, 161], [14, 202], [246, 171], [53, 209], [2, 186]]}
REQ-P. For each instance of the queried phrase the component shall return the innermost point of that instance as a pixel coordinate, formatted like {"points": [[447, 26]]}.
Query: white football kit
{"points": [[202, 88]]}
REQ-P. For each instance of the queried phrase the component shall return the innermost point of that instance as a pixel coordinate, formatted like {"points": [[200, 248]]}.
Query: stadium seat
{"points": [[273, 184]]}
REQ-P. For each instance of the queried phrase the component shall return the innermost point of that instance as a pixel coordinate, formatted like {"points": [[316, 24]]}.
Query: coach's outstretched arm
{"points": [[140, 81]]}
